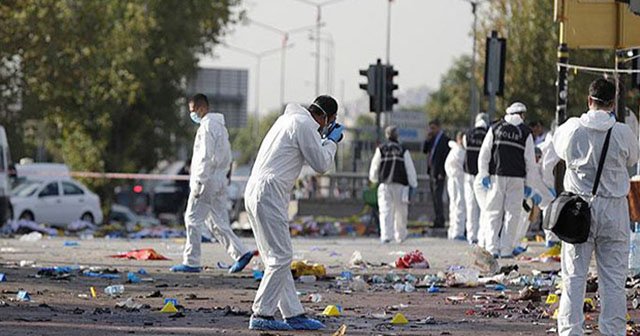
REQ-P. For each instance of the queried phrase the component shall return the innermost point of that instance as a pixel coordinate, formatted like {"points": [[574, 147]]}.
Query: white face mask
{"points": [[195, 118]]}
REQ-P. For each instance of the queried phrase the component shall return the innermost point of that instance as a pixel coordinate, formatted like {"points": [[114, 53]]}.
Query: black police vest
{"points": [[392, 167], [474, 142], [507, 153]]}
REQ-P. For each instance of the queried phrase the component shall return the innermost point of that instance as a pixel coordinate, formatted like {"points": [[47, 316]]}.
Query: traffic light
{"points": [[374, 86], [389, 100]]}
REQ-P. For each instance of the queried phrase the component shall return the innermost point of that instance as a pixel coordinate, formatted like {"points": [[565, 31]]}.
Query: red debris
{"points": [[413, 259], [142, 254]]}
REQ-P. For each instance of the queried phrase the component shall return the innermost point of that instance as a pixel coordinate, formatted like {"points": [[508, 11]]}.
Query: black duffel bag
{"points": [[569, 215]]}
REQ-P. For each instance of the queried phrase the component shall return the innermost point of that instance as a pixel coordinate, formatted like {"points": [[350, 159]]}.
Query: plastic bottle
{"points": [[114, 290], [634, 250]]}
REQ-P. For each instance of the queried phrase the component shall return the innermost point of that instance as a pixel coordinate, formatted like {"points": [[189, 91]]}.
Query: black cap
{"points": [[326, 104]]}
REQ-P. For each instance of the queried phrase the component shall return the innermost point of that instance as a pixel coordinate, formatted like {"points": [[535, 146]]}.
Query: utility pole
{"points": [[284, 46], [318, 7], [474, 104]]}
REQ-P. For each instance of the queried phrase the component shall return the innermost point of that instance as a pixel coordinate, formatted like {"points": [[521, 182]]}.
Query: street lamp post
{"points": [[474, 107], [285, 39], [258, 57], [318, 6]]}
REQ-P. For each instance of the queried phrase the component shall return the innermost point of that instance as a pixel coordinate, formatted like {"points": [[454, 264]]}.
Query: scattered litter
{"points": [[131, 306], [433, 289], [142, 254], [467, 277], [71, 243], [485, 261], [142, 271], [114, 290], [315, 298], [357, 260], [132, 278], [398, 318], [300, 268], [101, 275], [331, 310], [155, 294], [93, 292], [358, 284], [26, 263], [257, 274], [31, 237], [342, 331], [3, 277], [223, 265], [413, 259]]}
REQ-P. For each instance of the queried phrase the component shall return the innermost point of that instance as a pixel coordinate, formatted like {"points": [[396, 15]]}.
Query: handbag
{"points": [[569, 215]]}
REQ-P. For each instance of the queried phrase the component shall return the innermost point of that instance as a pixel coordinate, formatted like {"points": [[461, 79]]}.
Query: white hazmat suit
{"points": [[501, 212], [453, 166], [471, 200], [579, 142], [393, 202], [207, 203], [291, 141]]}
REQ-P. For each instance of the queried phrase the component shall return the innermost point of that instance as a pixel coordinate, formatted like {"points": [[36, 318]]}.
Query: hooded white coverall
{"points": [[501, 215], [549, 161], [453, 166], [292, 140], [579, 142], [472, 205], [394, 211], [207, 203]]}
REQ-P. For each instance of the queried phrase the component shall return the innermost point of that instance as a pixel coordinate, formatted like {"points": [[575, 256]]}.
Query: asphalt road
{"points": [[213, 302]]}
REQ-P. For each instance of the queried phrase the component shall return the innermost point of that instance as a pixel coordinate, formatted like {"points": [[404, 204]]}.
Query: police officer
{"points": [[507, 164], [393, 168], [472, 142]]}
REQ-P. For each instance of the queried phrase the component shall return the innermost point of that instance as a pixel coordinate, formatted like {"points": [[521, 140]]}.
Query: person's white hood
{"points": [[513, 119], [597, 119], [481, 123], [293, 109]]}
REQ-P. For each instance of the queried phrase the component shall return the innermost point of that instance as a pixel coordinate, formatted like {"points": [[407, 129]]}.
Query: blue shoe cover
{"points": [[267, 323], [241, 263], [185, 269], [519, 250], [551, 243], [302, 322]]}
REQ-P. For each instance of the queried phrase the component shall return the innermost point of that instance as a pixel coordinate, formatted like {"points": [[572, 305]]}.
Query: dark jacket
{"points": [[435, 164]]}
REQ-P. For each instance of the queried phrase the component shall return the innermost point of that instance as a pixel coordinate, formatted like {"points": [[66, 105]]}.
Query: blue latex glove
{"points": [[537, 199], [553, 192], [486, 182], [412, 193], [335, 134], [527, 191]]}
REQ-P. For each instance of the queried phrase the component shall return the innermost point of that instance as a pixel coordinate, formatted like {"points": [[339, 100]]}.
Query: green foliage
{"points": [[450, 103], [244, 141], [530, 71], [105, 76]]}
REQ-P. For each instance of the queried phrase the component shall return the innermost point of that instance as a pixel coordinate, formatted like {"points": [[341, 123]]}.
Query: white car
{"points": [[58, 201]]}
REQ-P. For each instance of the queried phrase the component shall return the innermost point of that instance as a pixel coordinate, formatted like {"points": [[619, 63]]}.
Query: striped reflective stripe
{"points": [[508, 143]]}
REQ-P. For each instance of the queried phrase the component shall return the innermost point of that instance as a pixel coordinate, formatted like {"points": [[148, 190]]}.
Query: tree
{"points": [[450, 103], [244, 141], [530, 70], [105, 76]]}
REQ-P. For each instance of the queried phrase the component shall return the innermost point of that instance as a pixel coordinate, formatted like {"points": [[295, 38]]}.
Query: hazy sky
{"points": [[425, 37]]}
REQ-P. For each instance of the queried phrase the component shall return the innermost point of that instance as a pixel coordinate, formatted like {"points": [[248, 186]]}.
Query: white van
{"points": [[5, 158]]}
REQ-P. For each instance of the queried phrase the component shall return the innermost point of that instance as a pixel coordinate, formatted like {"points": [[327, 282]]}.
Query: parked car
{"points": [[126, 216], [57, 201]]}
